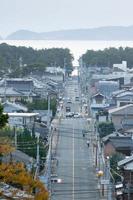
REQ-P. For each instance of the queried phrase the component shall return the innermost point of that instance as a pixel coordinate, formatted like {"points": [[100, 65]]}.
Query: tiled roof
{"points": [[18, 106], [9, 91], [125, 161], [121, 110], [104, 139], [122, 142]]}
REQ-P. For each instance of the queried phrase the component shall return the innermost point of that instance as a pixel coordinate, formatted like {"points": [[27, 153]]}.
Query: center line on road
{"points": [[73, 166]]}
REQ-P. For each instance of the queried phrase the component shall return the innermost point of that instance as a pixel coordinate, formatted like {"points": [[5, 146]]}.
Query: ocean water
{"points": [[77, 47]]}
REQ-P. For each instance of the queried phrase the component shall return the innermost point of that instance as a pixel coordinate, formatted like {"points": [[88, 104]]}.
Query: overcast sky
{"points": [[47, 15]]}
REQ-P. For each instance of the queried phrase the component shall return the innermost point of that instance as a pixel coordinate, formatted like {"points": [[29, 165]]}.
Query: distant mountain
{"points": [[101, 33], [23, 35]]}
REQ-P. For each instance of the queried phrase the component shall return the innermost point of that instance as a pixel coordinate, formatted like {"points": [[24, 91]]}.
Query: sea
{"points": [[77, 47]]}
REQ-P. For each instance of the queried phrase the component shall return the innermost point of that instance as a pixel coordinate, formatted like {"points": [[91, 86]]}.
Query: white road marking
{"points": [[73, 166]]}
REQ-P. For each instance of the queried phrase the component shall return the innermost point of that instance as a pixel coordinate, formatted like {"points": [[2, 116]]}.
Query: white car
{"points": [[77, 115]]}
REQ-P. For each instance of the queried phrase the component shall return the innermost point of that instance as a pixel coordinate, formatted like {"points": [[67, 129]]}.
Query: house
{"points": [[124, 98], [114, 134], [126, 168], [122, 117], [10, 107], [20, 84], [22, 120], [121, 144], [121, 67], [12, 95], [98, 102], [55, 70]]}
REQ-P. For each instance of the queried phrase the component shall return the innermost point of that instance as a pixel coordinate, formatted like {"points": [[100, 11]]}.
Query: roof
{"points": [[97, 94], [114, 134], [125, 161], [121, 142], [115, 93], [10, 91], [127, 109], [22, 114], [43, 112], [15, 105], [18, 79], [129, 93]]}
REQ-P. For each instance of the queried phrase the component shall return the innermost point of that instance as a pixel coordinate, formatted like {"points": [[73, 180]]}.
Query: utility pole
{"points": [[50, 148], [5, 86], [48, 114], [15, 135], [109, 178], [64, 69], [38, 152], [37, 157], [49, 167]]}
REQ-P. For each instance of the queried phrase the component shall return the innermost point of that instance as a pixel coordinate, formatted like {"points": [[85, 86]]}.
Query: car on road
{"points": [[70, 114], [69, 101], [76, 98], [77, 115], [56, 180]]}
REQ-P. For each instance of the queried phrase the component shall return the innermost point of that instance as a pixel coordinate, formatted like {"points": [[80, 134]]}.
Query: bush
{"points": [[105, 128]]}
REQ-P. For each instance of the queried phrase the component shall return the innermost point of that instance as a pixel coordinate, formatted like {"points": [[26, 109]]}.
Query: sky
{"points": [[49, 15]]}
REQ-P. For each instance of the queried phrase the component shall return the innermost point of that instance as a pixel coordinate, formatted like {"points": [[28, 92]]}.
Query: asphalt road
{"points": [[75, 162]]}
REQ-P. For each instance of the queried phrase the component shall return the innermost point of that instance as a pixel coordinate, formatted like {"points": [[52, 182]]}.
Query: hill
{"points": [[101, 33]]}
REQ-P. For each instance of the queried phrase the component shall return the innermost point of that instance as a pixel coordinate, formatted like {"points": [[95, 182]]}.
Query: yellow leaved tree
{"points": [[15, 174]]}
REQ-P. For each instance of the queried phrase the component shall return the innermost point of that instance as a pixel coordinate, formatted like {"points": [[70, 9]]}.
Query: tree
{"points": [[42, 104], [3, 118], [105, 128], [16, 175], [36, 60], [114, 159], [107, 57], [28, 145], [5, 148]]}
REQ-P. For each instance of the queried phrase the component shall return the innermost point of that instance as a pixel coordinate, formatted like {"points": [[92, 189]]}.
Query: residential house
{"points": [[22, 120], [121, 144], [124, 98], [14, 95], [126, 168], [55, 70], [98, 102], [20, 84], [10, 107], [114, 134], [122, 117]]}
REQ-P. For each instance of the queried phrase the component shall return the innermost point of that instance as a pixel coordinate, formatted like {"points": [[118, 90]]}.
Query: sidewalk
{"points": [[97, 163], [55, 139]]}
